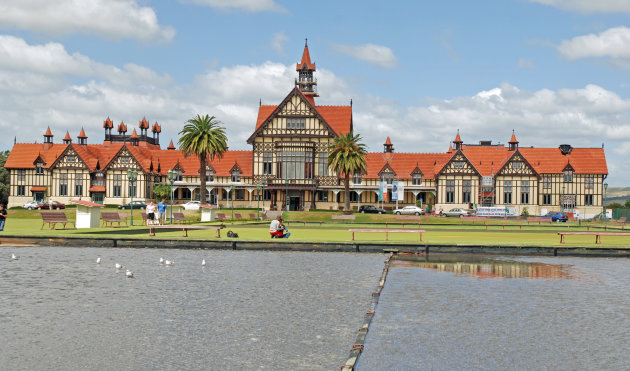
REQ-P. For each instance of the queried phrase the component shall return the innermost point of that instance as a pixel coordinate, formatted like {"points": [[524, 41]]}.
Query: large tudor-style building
{"points": [[288, 167]]}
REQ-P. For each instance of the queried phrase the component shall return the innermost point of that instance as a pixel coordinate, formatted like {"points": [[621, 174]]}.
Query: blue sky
{"points": [[555, 71]]}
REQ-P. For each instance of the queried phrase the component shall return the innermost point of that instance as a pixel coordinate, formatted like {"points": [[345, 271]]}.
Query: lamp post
{"points": [[132, 176], [258, 208], [232, 187], [172, 175], [264, 181], [604, 206], [286, 194]]}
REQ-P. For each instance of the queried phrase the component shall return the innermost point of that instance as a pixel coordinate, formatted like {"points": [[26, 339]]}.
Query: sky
{"points": [[554, 71]]}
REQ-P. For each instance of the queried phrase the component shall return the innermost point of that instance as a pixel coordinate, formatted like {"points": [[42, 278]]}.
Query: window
{"points": [[224, 194], [546, 199], [132, 190], [180, 176], [39, 168], [356, 179], [458, 164], [354, 197], [236, 176], [322, 196], [450, 191], [525, 191], [568, 176], [466, 191], [296, 123], [209, 176], [63, 184], [517, 165], [125, 159], [267, 163], [71, 158], [588, 200], [387, 178], [416, 179], [546, 181], [266, 195], [78, 184], [186, 194], [507, 192], [21, 175], [21, 190], [322, 168], [239, 194], [588, 182], [294, 165], [117, 185]]}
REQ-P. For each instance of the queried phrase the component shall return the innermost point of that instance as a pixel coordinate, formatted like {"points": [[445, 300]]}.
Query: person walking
{"points": [[162, 207], [150, 213], [3, 216]]}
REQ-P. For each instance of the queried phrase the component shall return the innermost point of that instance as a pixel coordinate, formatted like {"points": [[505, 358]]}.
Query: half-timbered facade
{"points": [[287, 167]]}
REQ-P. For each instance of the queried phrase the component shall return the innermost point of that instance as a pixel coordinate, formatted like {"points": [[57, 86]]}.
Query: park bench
{"points": [[185, 228], [54, 217], [112, 217], [238, 216], [622, 221], [221, 216], [252, 216], [343, 217], [179, 217], [538, 219], [598, 235], [387, 232], [404, 220], [288, 222]]}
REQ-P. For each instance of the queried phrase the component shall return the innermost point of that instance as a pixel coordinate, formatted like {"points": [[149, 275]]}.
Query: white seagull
{"points": [[168, 262], [14, 257], [161, 260], [118, 266], [98, 260], [203, 263], [129, 274]]}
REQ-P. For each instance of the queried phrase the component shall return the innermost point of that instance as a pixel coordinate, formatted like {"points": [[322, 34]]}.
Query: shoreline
{"points": [[359, 247]]}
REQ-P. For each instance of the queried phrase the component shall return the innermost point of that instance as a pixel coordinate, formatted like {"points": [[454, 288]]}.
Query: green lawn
{"points": [[447, 231]]}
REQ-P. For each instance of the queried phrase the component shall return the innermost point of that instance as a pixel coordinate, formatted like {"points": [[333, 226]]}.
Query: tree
{"points": [[162, 191], [627, 204], [4, 178], [347, 156], [203, 137]]}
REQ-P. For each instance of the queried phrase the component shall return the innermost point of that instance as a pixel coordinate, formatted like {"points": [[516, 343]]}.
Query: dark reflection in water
{"points": [[484, 267], [534, 315], [59, 310]]}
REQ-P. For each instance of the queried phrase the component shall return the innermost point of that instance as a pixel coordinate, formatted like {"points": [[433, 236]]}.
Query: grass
{"points": [[446, 231]]}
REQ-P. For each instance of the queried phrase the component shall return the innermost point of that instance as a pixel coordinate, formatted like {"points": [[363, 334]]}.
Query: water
{"points": [[557, 313], [244, 310]]}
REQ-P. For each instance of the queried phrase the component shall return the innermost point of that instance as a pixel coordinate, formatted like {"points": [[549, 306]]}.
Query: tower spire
{"points": [[305, 81]]}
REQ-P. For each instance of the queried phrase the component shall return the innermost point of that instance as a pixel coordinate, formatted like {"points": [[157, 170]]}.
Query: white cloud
{"points": [[277, 43], [613, 43], [111, 19], [248, 5], [378, 55], [589, 6], [525, 63]]}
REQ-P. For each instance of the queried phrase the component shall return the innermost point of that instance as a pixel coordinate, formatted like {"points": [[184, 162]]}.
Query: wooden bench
{"points": [[221, 216], [387, 232], [343, 217], [54, 217], [238, 216], [252, 216], [111, 217], [180, 217], [598, 235], [538, 219], [622, 221], [288, 222], [185, 228]]}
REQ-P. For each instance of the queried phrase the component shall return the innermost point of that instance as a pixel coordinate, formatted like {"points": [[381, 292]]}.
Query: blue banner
{"points": [[380, 191]]}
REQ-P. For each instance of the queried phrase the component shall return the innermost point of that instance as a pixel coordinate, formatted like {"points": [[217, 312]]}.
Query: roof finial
{"points": [[306, 42], [350, 102], [259, 102]]}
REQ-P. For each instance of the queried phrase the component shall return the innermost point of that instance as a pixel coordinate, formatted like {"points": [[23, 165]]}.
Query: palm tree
{"points": [[203, 137], [347, 155]]}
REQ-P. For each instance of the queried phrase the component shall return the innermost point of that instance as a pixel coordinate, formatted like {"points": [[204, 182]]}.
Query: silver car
{"points": [[409, 210], [460, 212], [31, 205]]}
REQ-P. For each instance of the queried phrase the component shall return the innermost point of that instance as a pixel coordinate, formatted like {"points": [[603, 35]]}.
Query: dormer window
{"points": [[296, 123], [517, 165], [416, 179], [236, 176], [71, 158], [39, 169], [356, 178], [125, 159], [568, 176], [387, 178], [458, 164], [180, 175], [209, 175]]}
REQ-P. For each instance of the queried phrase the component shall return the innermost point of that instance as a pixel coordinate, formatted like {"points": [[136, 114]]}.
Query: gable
{"points": [[386, 170], [517, 165], [69, 159], [458, 165], [123, 160]]}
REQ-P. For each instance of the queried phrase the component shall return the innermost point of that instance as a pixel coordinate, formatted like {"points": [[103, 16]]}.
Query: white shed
{"points": [[88, 214], [207, 212]]}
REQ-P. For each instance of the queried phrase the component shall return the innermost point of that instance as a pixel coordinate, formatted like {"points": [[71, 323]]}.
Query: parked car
{"points": [[136, 205], [31, 205], [457, 212], [409, 210], [191, 205], [48, 205], [556, 216], [371, 209]]}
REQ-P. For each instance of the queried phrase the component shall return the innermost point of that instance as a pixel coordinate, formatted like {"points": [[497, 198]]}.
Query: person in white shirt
{"points": [[150, 213], [276, 229]]}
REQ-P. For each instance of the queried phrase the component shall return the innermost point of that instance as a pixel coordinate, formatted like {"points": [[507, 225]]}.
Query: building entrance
{"points": [[39, 196], [294, 203]]}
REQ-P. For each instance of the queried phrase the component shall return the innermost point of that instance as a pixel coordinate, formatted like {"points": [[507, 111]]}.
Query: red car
{"points": [[46, 205]]}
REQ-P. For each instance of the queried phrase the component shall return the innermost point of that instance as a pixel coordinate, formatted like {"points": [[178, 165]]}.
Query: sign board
{"points": [[496, 211], [401, 191], [380, 191], [609, 214], [395, 191]]}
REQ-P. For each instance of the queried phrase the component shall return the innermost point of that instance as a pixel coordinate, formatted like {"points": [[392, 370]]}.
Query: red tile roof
{"points": [[513, 139], [171, 146], [306, 60], [144, 124], [458, 139], [38, 189], [67, 137], [134, 135], [404, 164], [339, 118], [122, 128], [82, 134], [156, 128], [86, 203], [108, 124], [97, 189], [48, 133]]}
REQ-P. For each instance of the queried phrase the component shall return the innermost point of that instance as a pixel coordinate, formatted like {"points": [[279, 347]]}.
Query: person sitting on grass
{"points": [[277, 228]]}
